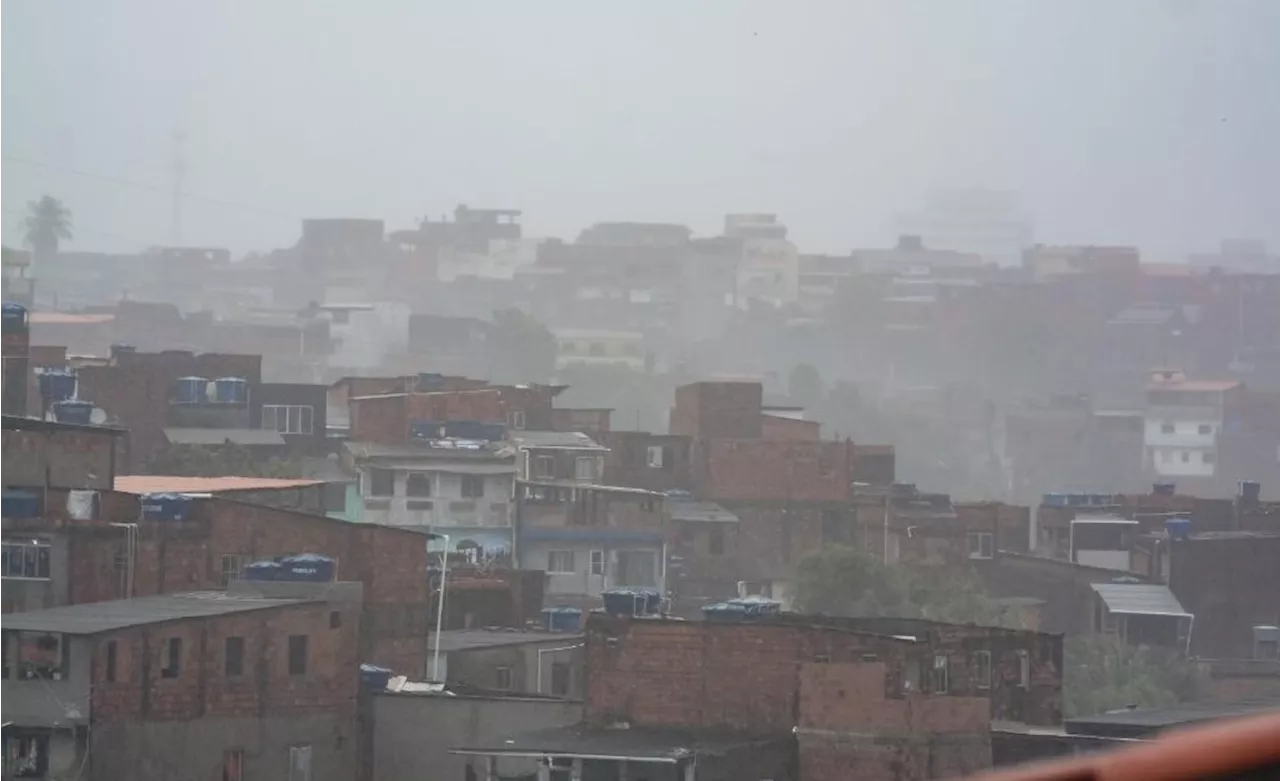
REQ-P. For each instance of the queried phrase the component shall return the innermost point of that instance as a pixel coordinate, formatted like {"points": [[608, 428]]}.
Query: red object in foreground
{"points": [[1233, 749]]}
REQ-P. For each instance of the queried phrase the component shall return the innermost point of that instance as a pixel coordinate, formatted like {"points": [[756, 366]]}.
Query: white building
{"points": [[1183, 423], [988, 223], [770, 267]]}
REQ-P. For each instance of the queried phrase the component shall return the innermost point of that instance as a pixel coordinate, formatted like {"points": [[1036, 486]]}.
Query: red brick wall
{"points": [[738, 469], [202, 689], [386, 419], [75, 457], [136, 389], [381, 419], [718, 409], [775, 427]]}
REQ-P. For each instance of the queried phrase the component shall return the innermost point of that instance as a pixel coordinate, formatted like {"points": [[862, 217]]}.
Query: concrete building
{"points": [[1183, 423], [795, 697], [769, 271], [988, 223], [111, 690], [514, 660]]}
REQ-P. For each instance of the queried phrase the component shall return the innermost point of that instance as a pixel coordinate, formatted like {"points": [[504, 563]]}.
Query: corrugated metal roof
{"points": [[163, 484], [554, 439], [705, 512], [219, 436], [95, 617], [1139, 599], [469, 639]]}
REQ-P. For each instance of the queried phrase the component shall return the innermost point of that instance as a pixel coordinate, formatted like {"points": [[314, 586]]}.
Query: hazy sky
{"points": [[1147, 121]]}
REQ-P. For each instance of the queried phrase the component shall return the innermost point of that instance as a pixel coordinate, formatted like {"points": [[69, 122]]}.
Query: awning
{"points": [[1140, 599]]}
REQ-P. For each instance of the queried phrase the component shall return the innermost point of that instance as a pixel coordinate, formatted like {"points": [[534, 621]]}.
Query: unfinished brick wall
{"points": [[848, 728], [387, 419], [136, 389], [203, 689], [775, 427], [628, 461], [718, 409], [71, 457], [757, 469]]}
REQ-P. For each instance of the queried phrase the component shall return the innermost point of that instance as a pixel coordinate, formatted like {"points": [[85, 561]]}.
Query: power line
{"points": [[152, 187]]}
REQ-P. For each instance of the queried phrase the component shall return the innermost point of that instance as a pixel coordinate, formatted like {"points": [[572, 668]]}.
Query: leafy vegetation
{"points": [[47, 222], [1102, 673], [228, 460], [848, 581]]}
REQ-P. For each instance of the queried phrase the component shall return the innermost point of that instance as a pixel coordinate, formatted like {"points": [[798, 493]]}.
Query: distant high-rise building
{"points": [[987, 223]]}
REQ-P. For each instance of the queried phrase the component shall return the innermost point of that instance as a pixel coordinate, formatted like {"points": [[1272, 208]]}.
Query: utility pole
{"points": [[178, 173]]}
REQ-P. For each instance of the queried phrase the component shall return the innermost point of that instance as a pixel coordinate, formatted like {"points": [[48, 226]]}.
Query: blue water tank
{"points": [[122, 347], [57, 385], [1077, 500], [231, 390], [631, 601], [429, 381], [73, 411], [1250, 492], [1164, 489], [1178, 528], [466, 429], [20, 504], [190, 390], [1056, 500], [426, 430], [15, 317], [741, 609], [263, 570], [165, 507], [562, 619], [309, 567], [374, 678], [1100, 500]]}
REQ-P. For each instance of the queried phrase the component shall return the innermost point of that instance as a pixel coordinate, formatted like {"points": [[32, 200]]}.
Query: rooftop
{"points": [[471, 639], [67, 318], [568, 440], [639, 745], [692, 510], [94, 618], [1138, 723], [1145, 599], [22, 423], [219, 436], [174, 484]]}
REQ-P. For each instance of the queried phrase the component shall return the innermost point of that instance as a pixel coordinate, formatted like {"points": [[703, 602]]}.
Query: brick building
{"points": [[796, 697], [106, 547], [115, 689], [39, 453]]}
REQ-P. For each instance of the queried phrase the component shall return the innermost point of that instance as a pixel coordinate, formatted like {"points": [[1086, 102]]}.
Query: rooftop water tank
{"points": [[1055, 500], [1250, 492], [741, 609], [1178, 528], [231, 390], [631, 601], [165, 507], [190, 390], [374, 678], [429, 381], [308, 567], [73, 411], [57, 385], [121, 347], [562, 619], [1164, 489], [262, 570], [15, 317], [18, 503]]}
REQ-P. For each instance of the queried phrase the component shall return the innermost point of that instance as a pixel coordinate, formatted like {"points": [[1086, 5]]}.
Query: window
{"points": [[544, 466], [335, 619], [561, 677], [560, 562], [1166, 428], [27, 559], [1186, 457], [300, 763], [171, 659], [584, 468], [110, 662], [1205, 429], [715, 541], [982, 669], [517, 419], [654, 457], [502, 678], [288, 418], [1024, 669], [940, 677], [27, 755], [230, 568], [418, 484], [1206, 458], [382, 482], [233, 657], [473, 486], [233, 765], [597, 562], [297, 654], [981, 545]]}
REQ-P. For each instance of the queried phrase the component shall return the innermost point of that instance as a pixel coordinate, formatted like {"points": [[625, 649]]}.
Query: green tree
{"points": [[525, 351], [228, 460], [1102, 673], [805, 386], [47, 222], [848, 581]]}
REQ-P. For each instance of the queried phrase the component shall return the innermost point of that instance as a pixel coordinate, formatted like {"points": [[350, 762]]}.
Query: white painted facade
{"points": [[500, 260], [988, 223], [441, 495]]}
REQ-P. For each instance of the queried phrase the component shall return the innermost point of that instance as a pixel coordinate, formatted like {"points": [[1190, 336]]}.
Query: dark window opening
{"points": [[233, 661], [297, 654], [110, 663], [171, 664]]}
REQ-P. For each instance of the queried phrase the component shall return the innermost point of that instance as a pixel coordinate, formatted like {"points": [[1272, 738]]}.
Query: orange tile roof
{"points": [[163, 484], [67, 318]]}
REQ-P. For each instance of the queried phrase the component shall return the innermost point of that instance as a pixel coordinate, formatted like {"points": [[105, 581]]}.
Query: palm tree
{"points": [[47, 222]]}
